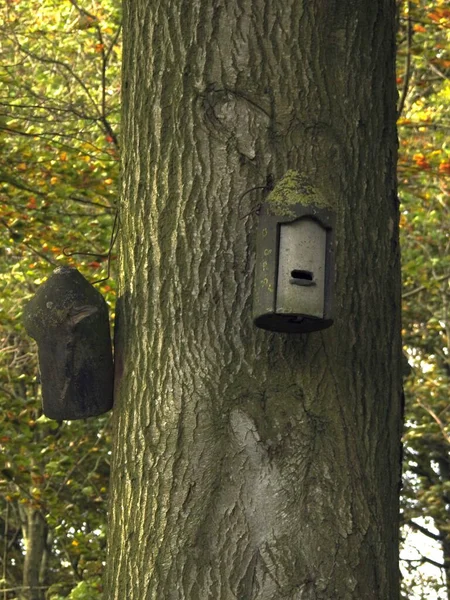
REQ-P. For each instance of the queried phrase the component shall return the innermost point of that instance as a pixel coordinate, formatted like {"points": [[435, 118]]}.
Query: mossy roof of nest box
{"points": [[294, 188]]}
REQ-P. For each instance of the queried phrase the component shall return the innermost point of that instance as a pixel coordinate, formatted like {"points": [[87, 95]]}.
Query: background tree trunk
{"points": [[252, 465], [35, 536]]}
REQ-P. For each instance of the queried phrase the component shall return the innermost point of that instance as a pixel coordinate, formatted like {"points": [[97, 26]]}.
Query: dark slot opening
{"points": [[298, 274]]}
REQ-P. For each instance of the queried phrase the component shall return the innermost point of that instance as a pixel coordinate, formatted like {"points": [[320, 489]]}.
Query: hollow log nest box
{"points": [[68, 318]]}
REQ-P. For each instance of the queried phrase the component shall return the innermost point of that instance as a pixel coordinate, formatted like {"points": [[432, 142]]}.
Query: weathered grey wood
{"points": [[68, 318], [250, 465]]}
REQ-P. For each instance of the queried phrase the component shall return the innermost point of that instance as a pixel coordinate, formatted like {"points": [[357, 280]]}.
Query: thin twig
{"points": [[423, 287], [434, 536], [112, 241], [27, 245], [5, 548], [407, 77], [434, 416]]}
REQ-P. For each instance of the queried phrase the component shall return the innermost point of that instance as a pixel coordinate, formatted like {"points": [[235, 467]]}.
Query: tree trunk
{"points": [[35, 537], [252, 465], [446, 554]]}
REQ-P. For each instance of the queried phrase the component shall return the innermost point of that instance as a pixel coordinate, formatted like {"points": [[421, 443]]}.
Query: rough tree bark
{"points": [[251, 465]]}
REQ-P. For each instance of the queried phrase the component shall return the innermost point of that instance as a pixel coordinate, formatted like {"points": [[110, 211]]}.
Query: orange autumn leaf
{"points": [[444, 167], [421, 161], [440, 15]]}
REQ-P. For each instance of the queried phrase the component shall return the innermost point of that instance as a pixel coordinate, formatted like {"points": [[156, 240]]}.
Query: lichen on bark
{"points": [[295, 188]]}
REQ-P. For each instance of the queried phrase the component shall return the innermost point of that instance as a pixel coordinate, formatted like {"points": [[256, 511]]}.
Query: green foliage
{"points": [[60, 76], [424, 169], [86, 591], [57, 129]]}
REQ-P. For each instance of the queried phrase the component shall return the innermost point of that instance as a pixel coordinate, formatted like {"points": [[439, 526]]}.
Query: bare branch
{"points": [[407, 77], [424, 287], [434, 416], [68, 68], [424, 531]]}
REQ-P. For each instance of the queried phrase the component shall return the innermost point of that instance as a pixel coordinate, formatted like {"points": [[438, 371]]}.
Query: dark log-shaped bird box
{"points": [[68, 318]]}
